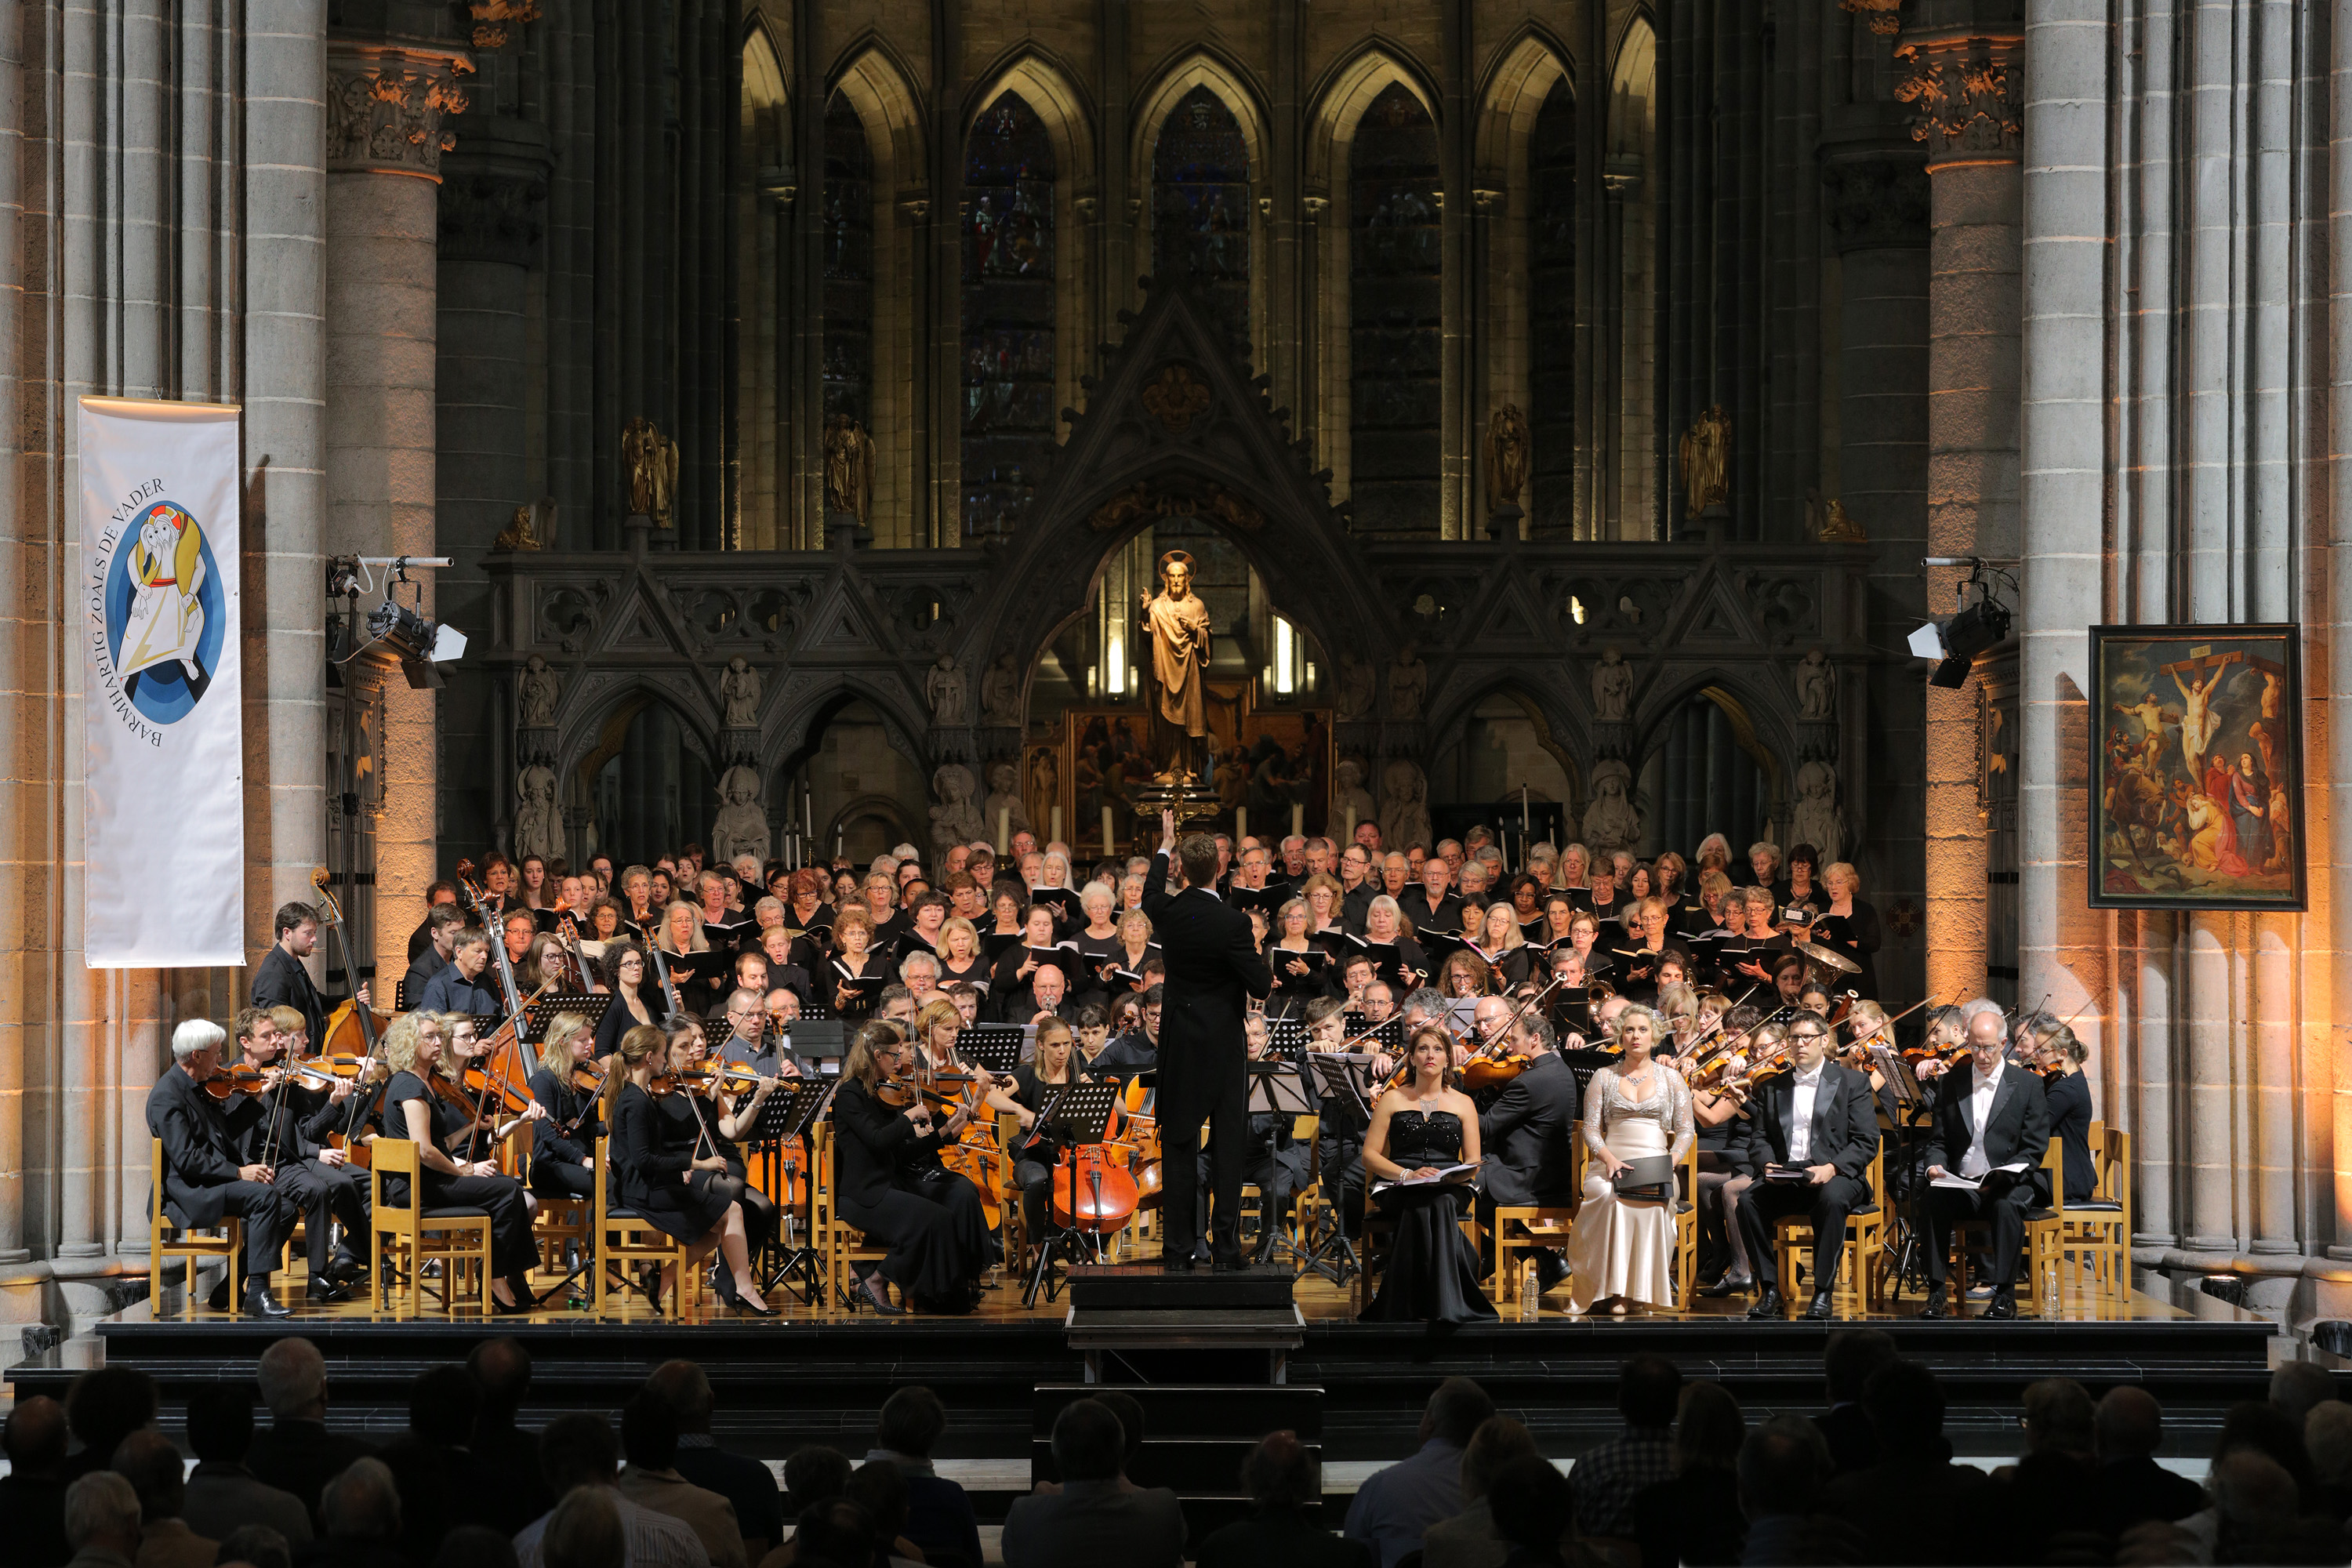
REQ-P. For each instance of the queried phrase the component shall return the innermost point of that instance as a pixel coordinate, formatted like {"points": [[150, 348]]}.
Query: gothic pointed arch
{"points": [[763, 149], [1201, 139]]}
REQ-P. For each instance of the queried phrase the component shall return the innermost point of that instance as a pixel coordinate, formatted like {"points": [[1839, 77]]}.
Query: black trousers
{"points": [[556, 1179], [1201, 1083], [269, 1215], [1275, 1178], [513, 1252], [2002, 1201], [322, 1192], [1763, 1205]]}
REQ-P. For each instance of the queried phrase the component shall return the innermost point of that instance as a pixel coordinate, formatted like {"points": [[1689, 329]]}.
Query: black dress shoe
{"points": [[2004, 1302], [261, 1303], [1937, 1306], [1181, 1263], [1552, 1270], [1729, 1285], [1820, 1309], [873, 1297], [218, 1300], [344, 1268], [1768, 1305], [324, 1293]]}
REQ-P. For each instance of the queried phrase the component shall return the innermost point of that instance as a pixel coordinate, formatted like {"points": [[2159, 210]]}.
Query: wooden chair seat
{"points": [[167, 1240], [621, 1237], [1865, 1242], [457, 1236]]}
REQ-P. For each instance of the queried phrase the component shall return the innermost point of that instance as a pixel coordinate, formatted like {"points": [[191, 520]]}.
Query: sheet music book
{"points": [[994, 945], [1268, 899], [1445, 1173], [1441, 945]]}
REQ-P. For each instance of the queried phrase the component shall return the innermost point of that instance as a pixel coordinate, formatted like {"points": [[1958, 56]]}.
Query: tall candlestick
{"points": [[1240, 826], [1003, 829], [1055, 815], [1351, 822], [1297, 820], [1106, 850]]}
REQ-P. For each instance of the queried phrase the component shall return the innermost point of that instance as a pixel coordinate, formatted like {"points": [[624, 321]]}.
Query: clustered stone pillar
{"points": [[1964, 87], [385, 109]]}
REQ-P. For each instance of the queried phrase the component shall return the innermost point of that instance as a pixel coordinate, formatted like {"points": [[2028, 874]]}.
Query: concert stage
{"points": [[819, 1376]]}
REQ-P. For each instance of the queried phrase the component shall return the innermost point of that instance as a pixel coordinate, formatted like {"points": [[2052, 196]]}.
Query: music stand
{"points": [[1343, 1084], [995, 1047], [1278, 1086], [590, 1005], [816, 1039], [1387, 1034], [1081, 1113], [791, 1112], [1287, 1036]]}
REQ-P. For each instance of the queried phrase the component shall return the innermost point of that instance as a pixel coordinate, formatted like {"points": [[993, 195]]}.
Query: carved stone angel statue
{"points": [[1507, 455], [1000, 692], [944, 689], [536, 691], [739, 688], [1612, 688], [1408, 684], [1706, 453]]}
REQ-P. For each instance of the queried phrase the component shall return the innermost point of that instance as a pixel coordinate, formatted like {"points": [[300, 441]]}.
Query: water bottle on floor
{"points": [[1530, 1291], [2049, 1293]]}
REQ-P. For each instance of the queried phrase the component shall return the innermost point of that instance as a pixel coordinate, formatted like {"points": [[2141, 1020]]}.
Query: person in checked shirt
{"points": [[1604, 1482]]}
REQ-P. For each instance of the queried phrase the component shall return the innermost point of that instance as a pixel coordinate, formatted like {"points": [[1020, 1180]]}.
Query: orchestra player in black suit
{"points": [[1213, 967], [1818, 1117], [282, 982], [1528, 1132], [203, 1178], [290, 1137], [1991, 1124]]}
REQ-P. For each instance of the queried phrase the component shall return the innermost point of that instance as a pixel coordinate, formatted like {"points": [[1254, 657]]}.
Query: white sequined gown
{"points": [[1618, 1247]]}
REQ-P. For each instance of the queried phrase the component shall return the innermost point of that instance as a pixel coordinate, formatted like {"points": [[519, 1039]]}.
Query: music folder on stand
{"points": [[591, 1005], [1344, 1085]]}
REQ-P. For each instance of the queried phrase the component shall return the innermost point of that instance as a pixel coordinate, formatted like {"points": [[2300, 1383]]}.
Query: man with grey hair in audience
{"points": [[298, 1454], [359, 1517], [150, 1462], [582, 1450], [101, 1521]]}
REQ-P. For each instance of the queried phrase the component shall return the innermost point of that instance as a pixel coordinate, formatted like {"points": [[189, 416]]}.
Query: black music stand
{"points": [[537, 1014], [792, 1115], [1081, 1113], [1908, 1126], [1343, 1082], [994, 1046], [1278, 1086], [1287, 1036]]}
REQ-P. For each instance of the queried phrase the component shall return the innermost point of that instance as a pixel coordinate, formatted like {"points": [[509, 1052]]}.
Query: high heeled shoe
{"points": [[754, 1305], [878, 1301]]}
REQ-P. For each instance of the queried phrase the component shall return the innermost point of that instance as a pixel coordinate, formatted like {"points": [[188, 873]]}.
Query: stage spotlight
{"points": [[1954, 644], [421, 646]]}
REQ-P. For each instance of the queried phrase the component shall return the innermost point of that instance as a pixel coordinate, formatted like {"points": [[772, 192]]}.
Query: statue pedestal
{"points": [[1503, 523], [636, 533], [844, 532]]}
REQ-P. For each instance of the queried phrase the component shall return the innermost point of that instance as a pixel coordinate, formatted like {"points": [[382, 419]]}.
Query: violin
{"points": [[1495, 1064], [224, 1082], [976, 1155]]}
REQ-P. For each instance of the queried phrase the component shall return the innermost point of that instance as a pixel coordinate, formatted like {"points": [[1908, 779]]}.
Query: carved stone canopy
{"points": [[388, 107], [1183, 498]]}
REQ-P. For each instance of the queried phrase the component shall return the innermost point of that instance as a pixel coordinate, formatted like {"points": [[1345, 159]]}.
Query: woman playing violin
{"points": [[565, 1085], [1721, 1183], [890, 1184], [685, 1193], [724, 1107], [856, 976], [416, 1048]]}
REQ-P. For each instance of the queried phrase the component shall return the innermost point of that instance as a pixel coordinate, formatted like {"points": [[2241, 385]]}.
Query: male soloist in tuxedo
{"points": [[1820, 1120], [203, 1178], [1991, 1123], [1213, 967]]}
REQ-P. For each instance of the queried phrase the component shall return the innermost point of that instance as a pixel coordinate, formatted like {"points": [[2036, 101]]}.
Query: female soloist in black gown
{"points": [[1431, 1273]]}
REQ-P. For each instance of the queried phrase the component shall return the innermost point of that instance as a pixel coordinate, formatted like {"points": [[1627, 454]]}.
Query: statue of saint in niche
{"points": [[1176, 623]]}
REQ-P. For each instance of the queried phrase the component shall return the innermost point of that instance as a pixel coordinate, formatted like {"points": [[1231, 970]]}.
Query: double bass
{"points": [[350, 1019]]}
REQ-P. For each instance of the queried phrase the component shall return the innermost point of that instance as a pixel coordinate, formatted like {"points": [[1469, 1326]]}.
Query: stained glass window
{"points": [[1551, 316], [848, 264], [1201, 205], [1008, 313], [1395, 264]]}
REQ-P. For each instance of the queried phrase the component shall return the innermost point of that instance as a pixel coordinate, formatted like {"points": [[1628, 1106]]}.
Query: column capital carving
{"points": [[389, 105], [1967, 91], [1876, 198]]}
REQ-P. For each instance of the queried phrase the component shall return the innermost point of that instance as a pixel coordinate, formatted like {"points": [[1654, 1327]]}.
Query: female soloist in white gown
{"points": [[1623, 1249]]}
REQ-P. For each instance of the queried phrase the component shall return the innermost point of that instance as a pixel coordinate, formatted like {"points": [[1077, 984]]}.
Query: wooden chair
{"points": [[1520, 1228], [840, 1246], [557, 1220], [1016, 1221], [2095, 1233], [458, 1236], [1686, 1229], [167, 1240], [1865, 1242], [624, 1236]]}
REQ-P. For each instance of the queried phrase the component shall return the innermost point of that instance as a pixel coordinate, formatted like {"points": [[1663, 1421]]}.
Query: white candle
{"points": [[1003, 829], [1351, 822], [1241, 825], [840, 840], [1105, 833], [1055, 835], [1297, 820]]}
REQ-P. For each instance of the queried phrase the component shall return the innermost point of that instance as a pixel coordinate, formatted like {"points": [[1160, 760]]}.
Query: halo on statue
{"points": [[1175, 558]]}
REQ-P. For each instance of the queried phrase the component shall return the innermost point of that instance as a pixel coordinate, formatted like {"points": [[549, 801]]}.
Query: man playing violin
{"points": [[283, 980], [289, 1137], [205, 1179], [1528, 1132]]}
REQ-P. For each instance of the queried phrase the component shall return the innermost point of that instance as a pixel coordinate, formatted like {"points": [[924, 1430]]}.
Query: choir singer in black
{"points": [[1213, 966]]}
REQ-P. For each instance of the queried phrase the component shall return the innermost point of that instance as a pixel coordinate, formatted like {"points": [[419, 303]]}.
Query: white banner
{"points": [[162, 710]]}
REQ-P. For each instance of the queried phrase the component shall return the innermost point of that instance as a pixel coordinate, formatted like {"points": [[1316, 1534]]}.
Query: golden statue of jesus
{"points": [[1176, 623]]}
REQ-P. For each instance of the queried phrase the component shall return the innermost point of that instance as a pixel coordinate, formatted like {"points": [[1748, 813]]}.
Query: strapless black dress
{"points": [[1431, 1268]]}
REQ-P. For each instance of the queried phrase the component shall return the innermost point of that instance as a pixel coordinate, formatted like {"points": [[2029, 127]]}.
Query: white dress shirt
{"points": [[1976, 1163], [1800, 1115]]}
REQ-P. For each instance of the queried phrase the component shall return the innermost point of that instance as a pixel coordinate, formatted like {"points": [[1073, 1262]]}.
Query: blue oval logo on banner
{"points": [[165, 614]]}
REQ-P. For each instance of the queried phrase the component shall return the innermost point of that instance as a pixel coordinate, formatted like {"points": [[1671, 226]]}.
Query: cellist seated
{"points": [[1035, 1082]]}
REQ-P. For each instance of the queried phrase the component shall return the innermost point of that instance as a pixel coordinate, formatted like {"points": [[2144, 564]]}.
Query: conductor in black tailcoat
{"points": [[1213, 967]]}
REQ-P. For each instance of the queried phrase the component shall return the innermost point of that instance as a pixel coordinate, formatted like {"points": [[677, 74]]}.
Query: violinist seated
{"points": [[1812, 1131], [459, 988], [203, 1179], [1529, 1133], [681, 1186], [424, 1104], [889, 1184], [290, 1138], [1035, 1149], [1136, 1050], [1339, 1132], [724, 1105], [753, 1043], [1276, 1163], [565, 1085], [1717, 1073]]}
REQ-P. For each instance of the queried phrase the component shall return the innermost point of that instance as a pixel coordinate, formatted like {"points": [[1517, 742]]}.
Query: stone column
{"points": [[385, 107], [1964, 85], [492, 212], [1876, 204]]}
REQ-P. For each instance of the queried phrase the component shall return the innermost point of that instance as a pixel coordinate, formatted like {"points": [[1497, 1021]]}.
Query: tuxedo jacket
{"points": [[200, 1151], [282, 982], [2017, 1129], [1843, 1131], [1528, 1136]]}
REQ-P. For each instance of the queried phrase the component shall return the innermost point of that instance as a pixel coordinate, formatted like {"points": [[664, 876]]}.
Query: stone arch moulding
{"points": [[882, 805], [1515, 90], [1346, 89], [1050, 88], [1234, 86], [810, 698], [1175, 419], [881, 89], [1542, 693], [1761, 723], [598, 698]]}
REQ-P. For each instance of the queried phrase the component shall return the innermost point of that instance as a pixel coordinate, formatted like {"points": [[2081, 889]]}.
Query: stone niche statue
{"points": [[742, 825], [739, 692], [1005, 796], [1611, 821], [1408, 684], [944, 690], [1175, 623], [1816, 688], [955, 819], [1042, 787], [849, 466], [1405, 806], [536, 691], [1353, 698], [1000, 692], [1350, 798], [538, 825], [1507, 455], [1817, 819], [1612, 688], [649, 458], [1705, 453]]}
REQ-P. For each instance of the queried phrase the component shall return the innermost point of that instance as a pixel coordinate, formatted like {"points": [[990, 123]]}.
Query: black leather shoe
{"points": [[1552, 1270], [1937, 1305], [1820, 1309], [1181, 1263], [218, 1300], [2004, 1303], [1729, 1285], [261, 1303], [1768, 1305], [344, 1268], [324, 1293]]}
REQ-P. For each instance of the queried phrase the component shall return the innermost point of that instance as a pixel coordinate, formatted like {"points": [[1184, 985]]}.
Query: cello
{"points": [[1093, 1190]]}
